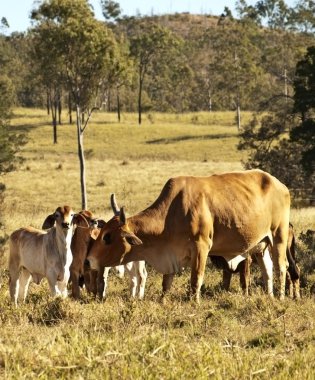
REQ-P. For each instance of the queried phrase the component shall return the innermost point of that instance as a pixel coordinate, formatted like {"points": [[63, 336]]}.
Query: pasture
{"points": [[226, 336]]}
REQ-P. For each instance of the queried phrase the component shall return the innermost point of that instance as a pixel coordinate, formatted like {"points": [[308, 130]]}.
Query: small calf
{"points": [[35, 254]]}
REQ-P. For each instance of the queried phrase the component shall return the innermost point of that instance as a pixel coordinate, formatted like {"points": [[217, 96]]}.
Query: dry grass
{"points": [[227, 336]]}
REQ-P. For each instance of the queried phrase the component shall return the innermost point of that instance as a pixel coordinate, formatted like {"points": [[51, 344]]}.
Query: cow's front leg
{"points": [[227, 276], [62, 285], [52, 282], [167, 283], [245, 275], [198, 264], [74, 277], [143, 274]]}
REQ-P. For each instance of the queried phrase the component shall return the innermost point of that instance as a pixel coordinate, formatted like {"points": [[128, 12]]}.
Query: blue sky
{"points": [[17, 11]]}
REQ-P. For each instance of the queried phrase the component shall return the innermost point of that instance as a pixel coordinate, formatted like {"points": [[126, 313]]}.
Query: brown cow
{"points": [[224, 214]]}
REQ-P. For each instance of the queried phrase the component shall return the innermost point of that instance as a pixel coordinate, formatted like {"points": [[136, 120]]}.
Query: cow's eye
{"points": [[106, 238]]}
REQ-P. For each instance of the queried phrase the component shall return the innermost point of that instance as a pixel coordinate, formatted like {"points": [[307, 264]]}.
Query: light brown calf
{"points": [[35, 254]]}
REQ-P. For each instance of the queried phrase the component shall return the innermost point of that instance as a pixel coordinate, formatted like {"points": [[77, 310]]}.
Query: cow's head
{"points": [[85, 220], [115, 240], [63, 217]]}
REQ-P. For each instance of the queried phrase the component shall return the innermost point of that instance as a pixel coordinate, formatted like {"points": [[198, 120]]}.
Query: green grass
{"points": [[227, 336]]}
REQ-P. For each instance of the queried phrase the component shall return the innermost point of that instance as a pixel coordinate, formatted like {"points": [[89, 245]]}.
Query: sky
{"points": [[17, 11]]}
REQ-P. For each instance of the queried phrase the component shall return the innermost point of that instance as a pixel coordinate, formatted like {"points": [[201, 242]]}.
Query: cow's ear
{"points": [[80, 220], [100, 223], [49, 222], [131, 238], [76, 219]]}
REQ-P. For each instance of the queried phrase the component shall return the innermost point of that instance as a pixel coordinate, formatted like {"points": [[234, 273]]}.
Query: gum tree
{"points": [[82, 49]]}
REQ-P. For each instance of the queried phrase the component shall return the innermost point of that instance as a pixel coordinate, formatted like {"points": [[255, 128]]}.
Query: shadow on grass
{"points": [[188, 137], [28, 127]]}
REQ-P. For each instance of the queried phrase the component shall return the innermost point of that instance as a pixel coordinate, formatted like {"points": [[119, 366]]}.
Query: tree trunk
{"points": [[59, 108], [109, 106], [139, 101], [141, 77], [81, 158], [118, 105], [239, 117], [54, 119], [70, 108]]}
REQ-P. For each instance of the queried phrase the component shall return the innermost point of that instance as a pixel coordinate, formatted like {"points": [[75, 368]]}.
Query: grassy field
{"points": [[227, 336]]}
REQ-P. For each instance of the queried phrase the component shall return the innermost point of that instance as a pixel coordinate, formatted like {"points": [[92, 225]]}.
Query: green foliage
{"points": [[111, 9], [270, 145], [304, 84], [150, 42], [271, 148], [274, 13], [304, 138], [303, 16], [80, 45]]}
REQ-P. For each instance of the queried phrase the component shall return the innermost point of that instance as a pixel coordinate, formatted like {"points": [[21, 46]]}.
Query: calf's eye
{"points": [[106, 238]]}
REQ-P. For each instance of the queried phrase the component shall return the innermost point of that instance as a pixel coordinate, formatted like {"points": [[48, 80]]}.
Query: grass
{"points": [[227, 336]]}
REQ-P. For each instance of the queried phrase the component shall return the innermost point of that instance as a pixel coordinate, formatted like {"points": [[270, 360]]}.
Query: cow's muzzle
{"points": [[65, 225]]}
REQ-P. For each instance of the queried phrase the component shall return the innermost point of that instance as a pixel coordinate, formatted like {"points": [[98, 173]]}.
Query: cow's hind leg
{"points": [[198, 264], [14, 284], [266, 265], [24, 281], [279, 257], [14, 271]]}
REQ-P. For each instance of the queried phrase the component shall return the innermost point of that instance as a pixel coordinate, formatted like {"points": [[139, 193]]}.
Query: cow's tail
{"points": [[293, 268]]}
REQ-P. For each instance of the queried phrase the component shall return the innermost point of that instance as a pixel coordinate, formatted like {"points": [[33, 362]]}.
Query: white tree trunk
{"points": [[81, 158]]}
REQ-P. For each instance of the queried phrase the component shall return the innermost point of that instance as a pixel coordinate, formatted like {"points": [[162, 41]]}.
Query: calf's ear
{"points": [[131, 238], [49, 222]]}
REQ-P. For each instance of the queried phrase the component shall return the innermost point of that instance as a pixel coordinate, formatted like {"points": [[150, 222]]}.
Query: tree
{"points": [[304, 84], [304, 102], [83, 49], [49, 70], [10, 142], [233, 67], [274, 13], [148, 40], [270, 145], [110, 9], [302, 16]]}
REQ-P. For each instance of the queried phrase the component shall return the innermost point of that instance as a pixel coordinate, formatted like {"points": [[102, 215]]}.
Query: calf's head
{"points": [[63, 217], [113, 243]]}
